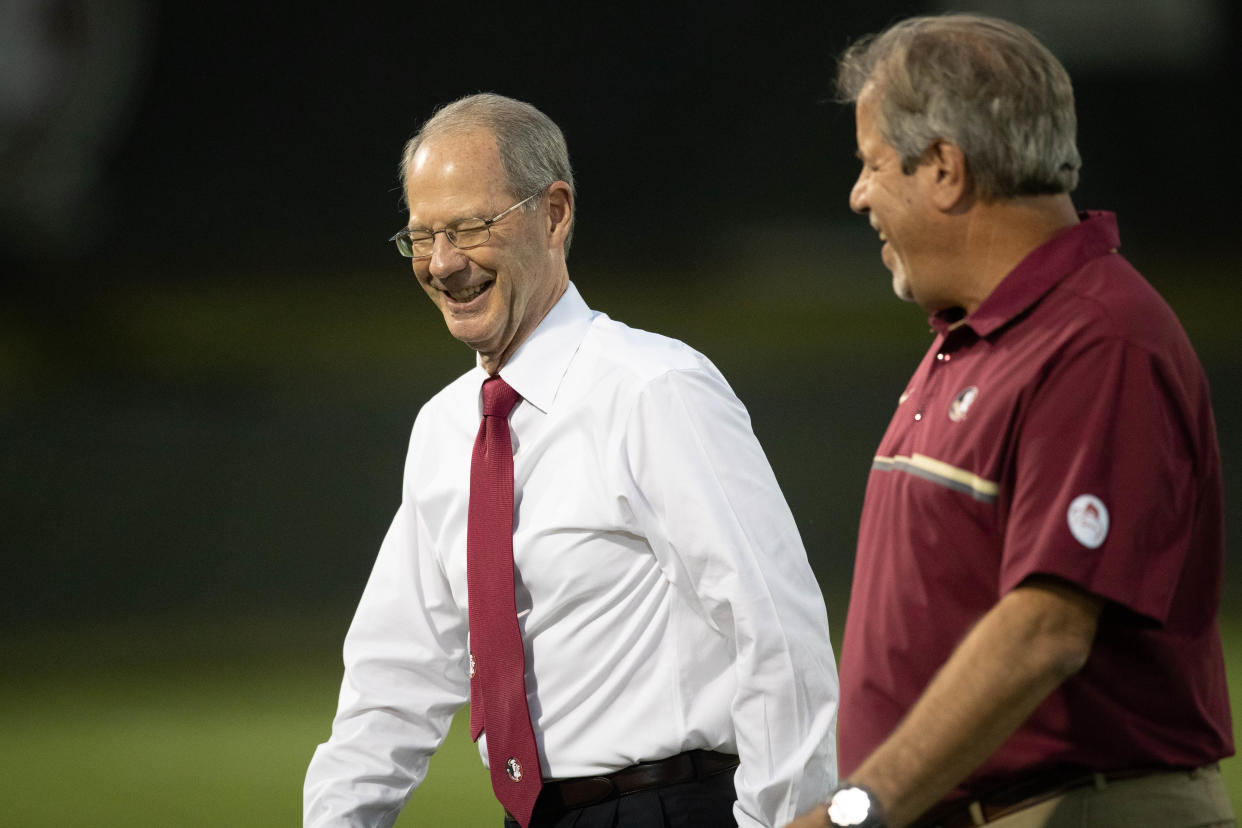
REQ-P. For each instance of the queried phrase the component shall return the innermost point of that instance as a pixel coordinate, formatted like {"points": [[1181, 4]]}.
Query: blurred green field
{"points": [[201, 724], [189, 723], [172, 691]]}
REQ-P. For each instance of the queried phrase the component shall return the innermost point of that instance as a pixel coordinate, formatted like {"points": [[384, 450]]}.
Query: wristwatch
{"points": [[855, 806]]}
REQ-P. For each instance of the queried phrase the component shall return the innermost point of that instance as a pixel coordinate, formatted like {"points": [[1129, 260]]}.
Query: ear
{"points": [[951, 183], [560, 213]]}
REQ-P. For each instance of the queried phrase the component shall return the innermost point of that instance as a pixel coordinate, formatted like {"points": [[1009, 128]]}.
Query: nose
{"points": [[445, 258], [858, 194]]}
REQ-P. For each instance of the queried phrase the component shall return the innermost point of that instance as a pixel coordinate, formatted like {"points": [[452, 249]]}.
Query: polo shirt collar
{"points": [[1095, 235], [539, 364]]}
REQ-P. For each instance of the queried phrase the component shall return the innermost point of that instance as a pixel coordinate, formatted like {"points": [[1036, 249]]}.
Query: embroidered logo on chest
{"points": [[1088, 520], [962, 402]]}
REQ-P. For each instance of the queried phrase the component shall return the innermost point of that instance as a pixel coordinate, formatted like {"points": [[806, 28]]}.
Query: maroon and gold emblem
{"points": [[962, 402]]}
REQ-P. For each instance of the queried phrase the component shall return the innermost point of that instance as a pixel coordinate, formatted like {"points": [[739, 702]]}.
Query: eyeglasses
{"points": [[465, 234]]}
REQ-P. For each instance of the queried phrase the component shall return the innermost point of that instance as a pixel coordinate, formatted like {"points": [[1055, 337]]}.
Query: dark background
{"points": [[210, 358]]}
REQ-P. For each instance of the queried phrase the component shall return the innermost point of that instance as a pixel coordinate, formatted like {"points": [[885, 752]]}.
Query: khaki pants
{"points": [[1186, 799]]}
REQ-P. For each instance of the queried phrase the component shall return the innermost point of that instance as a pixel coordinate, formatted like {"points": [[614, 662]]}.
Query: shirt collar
{"points": [[539, 364], [1095, 235]]}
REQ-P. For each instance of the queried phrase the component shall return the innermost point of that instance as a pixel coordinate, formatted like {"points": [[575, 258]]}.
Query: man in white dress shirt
{"points": [[677, 658]]}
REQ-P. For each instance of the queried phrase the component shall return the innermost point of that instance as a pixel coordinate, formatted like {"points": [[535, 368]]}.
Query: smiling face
{"points": [[493, 296], [899, 208]]}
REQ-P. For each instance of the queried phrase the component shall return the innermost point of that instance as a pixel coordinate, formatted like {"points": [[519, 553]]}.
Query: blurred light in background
{"points": [[69, 77], [1134, 36]]}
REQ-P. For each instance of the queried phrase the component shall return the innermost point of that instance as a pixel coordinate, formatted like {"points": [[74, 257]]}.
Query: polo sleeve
{"points": [[1103, 492], [405, 677], [719, 525]]}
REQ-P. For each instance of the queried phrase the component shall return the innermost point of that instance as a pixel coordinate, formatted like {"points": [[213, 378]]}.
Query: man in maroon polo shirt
{"points": [[1032, 635]]}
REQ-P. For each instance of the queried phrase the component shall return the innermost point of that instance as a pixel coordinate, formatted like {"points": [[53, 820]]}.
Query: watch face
{"points": [[849, 806]]}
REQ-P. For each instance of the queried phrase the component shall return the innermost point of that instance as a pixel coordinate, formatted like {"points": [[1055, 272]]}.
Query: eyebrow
{"points": [[456, 221]]}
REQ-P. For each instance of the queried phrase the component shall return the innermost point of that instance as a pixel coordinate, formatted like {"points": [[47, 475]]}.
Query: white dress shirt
{"points": [[663, 592]]}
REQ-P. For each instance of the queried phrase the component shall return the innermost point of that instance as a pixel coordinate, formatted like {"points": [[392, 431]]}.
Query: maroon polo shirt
{"points": [[1064, 428]]}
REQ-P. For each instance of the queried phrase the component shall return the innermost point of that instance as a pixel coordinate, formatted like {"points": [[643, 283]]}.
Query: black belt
{"points": [[693, 765], [1039, 788]]}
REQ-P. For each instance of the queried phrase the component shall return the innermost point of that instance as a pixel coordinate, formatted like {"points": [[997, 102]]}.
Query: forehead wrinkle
{"points": [[449, 203]]}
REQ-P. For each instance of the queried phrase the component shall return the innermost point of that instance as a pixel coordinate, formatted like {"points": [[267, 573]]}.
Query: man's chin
{"points": [[465, 332], [901, 287]]}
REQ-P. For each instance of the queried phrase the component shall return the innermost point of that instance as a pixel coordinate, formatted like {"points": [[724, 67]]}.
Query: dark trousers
{"points": [[704, 803]]}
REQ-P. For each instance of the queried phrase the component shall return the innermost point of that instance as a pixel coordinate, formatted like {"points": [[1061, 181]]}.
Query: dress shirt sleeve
{"points": [[715, 517], [405, 677]]}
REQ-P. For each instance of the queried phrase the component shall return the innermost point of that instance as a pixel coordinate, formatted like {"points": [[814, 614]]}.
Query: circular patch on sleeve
{"points": [[1088, 520]]}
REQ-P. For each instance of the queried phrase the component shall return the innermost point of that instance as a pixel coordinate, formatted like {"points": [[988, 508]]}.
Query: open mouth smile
{"points": [[467, 294]]}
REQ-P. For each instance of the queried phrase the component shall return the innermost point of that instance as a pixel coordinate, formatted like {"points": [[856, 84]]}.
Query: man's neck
{"points": [[998, 235]]}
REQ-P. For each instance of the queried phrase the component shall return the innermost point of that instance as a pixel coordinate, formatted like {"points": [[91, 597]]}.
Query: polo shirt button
{"points": [[514, 768], [918, 415], [940, 356]]}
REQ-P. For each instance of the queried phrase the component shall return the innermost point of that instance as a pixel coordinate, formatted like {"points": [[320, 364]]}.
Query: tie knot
{"points": [[498, 398]]}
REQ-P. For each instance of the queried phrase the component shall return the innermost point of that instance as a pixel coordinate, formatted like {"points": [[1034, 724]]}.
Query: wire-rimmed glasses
{"points": [[464, 234]]}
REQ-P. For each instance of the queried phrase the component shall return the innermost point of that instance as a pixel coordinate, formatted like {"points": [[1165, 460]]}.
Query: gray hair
{"points": [[986, 85], [532, 147]]}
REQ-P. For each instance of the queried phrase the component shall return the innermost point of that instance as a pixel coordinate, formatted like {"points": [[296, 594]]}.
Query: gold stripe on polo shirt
{"points": [[940, 472]]}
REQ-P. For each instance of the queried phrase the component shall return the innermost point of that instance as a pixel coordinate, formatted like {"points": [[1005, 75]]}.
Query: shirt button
{"points": [[918, 415], [943, 357]]}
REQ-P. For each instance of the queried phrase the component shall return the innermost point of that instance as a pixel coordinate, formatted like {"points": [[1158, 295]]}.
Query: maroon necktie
{"points": [[497, 658]]}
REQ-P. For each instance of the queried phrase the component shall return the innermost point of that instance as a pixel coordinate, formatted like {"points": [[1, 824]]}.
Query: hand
{"points": [[814, 818]]}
